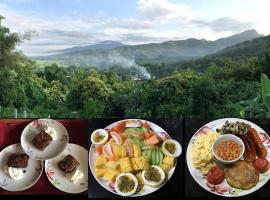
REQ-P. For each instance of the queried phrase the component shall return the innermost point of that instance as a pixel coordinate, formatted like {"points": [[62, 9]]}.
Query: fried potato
{"points": [[241, 175]]}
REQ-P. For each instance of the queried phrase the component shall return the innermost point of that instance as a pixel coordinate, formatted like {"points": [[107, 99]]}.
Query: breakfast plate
{"points": [[229, 157], [127, 151], [25, 176], [44, 139], [59, 178]]}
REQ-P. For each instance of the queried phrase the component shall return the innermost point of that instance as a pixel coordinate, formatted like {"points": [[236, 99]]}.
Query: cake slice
{"points": [[18, 160], [68, 164], [42, 140]]}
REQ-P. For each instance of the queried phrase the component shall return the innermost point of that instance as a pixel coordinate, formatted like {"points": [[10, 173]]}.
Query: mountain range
{"points": [[256, 47], [113, 53], [108, 44]]}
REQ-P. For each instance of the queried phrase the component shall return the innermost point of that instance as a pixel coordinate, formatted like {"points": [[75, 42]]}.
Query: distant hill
{"points": [[251, 48], [245, 50], [170, 51], [108, 44], [238, 38]]}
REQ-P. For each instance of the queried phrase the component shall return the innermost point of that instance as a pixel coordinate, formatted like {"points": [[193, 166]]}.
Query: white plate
{"points": [[146, 189], [224, 189], [57, 177], [32, 173], [55, 148]]}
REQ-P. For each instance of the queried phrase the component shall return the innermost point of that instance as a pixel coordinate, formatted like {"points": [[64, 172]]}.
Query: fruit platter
{"points": [[229, 157], [133, 157]]}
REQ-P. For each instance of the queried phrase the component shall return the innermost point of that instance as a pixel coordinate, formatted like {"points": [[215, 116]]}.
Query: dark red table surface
{"points": [[10, 133]]}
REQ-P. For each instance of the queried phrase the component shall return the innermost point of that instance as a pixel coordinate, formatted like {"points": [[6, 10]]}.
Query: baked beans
{"points": [[228, 150]]}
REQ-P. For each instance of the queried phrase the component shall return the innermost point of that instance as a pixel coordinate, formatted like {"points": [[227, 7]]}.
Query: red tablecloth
{"points": [[10, 133]]}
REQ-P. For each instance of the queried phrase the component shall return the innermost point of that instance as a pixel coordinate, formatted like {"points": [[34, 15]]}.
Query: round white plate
{"points": [[57, 177], [31, 175], [224, 189], [55, 148], [146, 189]]}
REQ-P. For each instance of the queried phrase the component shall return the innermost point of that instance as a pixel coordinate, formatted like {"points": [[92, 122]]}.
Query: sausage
{"points": [[258, 144], [250, 153]]}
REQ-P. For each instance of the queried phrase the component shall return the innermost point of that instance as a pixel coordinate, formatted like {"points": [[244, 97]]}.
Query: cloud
{"points": [[67, 33], [226, 24], [130, 23], [22, 22], [70, 30], [164, 10]]}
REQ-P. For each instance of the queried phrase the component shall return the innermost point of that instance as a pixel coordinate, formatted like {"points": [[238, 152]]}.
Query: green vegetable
{"points": [[160, 157], [149, 152], [155, 156], [145, 153]]}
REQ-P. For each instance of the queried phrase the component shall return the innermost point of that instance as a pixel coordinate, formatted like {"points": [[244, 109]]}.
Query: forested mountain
{"points": [[170, 51], [108, 44], [241, 53], [250, 48]]}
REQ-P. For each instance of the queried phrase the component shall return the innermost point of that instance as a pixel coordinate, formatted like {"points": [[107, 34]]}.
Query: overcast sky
{"points": [[59, 24]]}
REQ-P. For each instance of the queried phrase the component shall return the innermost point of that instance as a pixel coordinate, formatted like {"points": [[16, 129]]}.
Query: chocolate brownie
{"points": [[42, 140], [18, 160], [68, 164]]}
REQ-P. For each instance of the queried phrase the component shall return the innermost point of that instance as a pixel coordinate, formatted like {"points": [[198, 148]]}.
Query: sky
{"points": [[59, 24]]}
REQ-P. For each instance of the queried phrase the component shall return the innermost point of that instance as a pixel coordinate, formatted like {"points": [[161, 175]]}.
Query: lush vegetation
{"points": [[230, 88]]}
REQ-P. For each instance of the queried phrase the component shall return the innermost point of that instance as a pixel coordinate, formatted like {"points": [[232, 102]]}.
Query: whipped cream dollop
{"points": [[15, 173], [74, 176], [51, 131]]}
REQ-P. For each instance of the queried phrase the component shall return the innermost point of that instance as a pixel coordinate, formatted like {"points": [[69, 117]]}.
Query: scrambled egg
{"points": [[201, 154]]}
